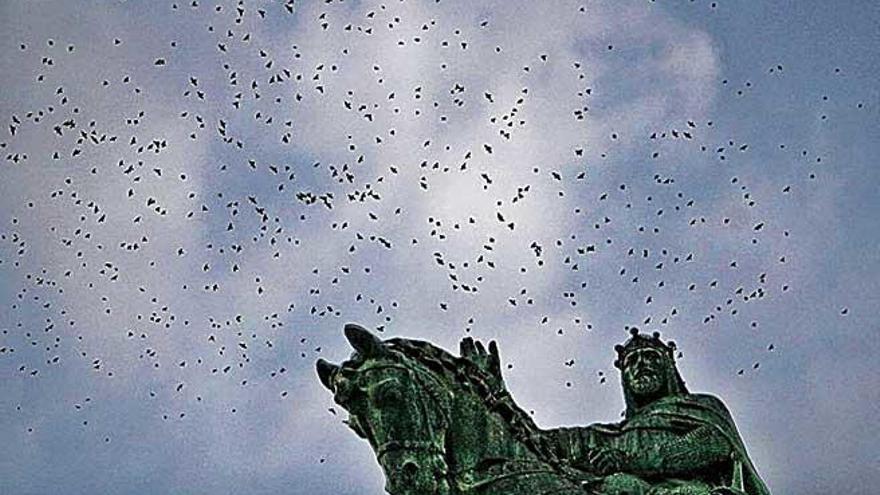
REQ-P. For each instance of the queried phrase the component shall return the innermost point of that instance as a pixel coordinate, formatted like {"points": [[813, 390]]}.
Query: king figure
{"points": [[670, 442]]}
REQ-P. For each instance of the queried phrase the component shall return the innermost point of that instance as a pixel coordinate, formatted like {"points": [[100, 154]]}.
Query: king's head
{"points": [[638, 341], [647, 367]]}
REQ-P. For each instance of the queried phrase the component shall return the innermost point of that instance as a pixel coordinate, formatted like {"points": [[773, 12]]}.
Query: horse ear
{"points": [[363, 341], [327, 372]]}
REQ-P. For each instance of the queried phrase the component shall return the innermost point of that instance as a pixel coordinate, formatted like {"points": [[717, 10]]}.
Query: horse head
{"points": [[440, 424], [398, 407]]}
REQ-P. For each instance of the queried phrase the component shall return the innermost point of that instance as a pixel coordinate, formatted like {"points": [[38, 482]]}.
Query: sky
{"points": [[195, 197]]}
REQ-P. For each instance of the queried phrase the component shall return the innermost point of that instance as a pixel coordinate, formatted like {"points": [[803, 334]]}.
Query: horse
{"points": [[443, 425]]}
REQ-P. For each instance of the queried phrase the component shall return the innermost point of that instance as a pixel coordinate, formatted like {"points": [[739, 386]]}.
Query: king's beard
{"points": [[646, 384]]}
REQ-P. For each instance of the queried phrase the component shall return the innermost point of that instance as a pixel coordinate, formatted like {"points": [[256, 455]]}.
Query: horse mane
{"points": [[471, 376]]}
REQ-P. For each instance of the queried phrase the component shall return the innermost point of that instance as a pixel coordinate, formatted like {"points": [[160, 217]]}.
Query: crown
{"points": [[642, 341]]}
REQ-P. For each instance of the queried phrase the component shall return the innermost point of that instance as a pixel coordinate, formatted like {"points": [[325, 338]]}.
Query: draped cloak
{"points": [[678, 414]]}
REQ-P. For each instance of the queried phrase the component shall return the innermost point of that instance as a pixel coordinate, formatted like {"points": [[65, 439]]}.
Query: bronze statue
{"points": [[670, 441], [446, 425]]}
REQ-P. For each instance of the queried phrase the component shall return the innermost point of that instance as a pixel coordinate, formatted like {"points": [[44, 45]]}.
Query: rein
{"points": [[417, 445]]}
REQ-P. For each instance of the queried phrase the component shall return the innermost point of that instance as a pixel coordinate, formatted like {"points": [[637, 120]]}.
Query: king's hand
{"points": [[490, 361]]}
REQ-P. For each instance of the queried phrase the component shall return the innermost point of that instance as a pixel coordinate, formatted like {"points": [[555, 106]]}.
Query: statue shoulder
{"points": [[705, 406], [709, 401]]}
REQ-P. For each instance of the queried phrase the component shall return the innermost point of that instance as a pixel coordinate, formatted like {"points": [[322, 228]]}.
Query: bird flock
{"points": [[192, 209]]}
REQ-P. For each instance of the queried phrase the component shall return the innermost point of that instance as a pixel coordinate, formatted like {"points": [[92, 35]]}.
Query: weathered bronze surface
{"points": [[446, 425]]}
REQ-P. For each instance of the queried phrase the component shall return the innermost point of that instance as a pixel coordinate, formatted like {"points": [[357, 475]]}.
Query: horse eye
{"points": [[387, 394], [346, 392]]}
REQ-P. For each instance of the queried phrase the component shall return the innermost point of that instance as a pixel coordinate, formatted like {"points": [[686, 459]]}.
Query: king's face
{"points": [[643, 371]]}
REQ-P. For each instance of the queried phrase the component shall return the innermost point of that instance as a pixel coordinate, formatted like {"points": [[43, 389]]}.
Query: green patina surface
{"points": [[444, 425]]}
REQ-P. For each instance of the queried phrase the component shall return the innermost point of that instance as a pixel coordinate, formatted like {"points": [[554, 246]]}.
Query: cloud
{"points": [[510, 149]]}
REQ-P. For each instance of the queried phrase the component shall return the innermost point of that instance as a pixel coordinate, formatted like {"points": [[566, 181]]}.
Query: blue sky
{"points": [[234, 269]]}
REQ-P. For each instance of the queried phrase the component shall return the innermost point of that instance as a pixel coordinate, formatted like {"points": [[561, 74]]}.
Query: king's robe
{"points": [[673, 444]]}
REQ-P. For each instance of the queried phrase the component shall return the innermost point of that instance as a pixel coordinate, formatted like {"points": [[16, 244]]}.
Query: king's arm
{"points": [[572, 445], [700, 449]]}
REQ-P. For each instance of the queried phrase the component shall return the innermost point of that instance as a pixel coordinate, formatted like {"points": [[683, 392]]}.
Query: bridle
{"points": [[432, 446], [472, 477]]}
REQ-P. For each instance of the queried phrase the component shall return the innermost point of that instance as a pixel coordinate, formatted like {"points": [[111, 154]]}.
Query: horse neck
{"points": [[476, 434]]}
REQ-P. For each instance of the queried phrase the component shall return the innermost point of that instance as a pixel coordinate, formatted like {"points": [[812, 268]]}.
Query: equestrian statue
{"points": [[441, 424]]}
